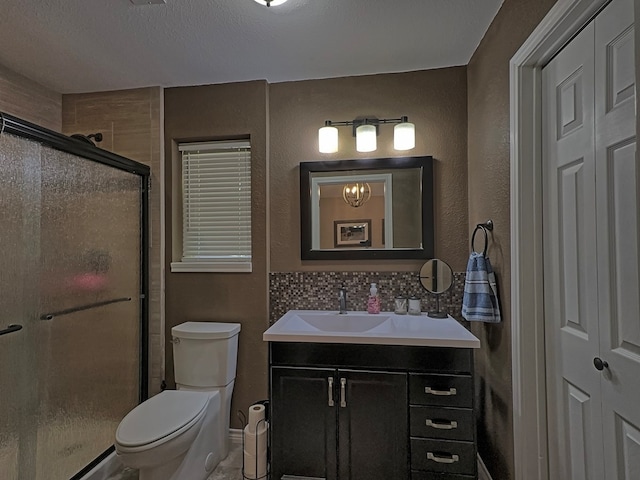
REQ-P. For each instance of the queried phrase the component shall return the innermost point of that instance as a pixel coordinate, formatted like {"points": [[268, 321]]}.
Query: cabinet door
{"points": [[303, 423], [373, 425]]}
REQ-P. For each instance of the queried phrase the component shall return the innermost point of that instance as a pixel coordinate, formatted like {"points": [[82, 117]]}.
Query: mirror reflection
{"points": [[379, 208], [436, 277], [388, 202]]}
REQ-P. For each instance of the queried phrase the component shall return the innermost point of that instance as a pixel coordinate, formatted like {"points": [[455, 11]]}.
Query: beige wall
{"points": [[216, 112], [334, 209], [130, 122], [435, 100], [29, 101], [489, 197]]}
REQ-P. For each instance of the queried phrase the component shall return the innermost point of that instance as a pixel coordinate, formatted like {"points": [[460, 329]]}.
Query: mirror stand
{"points": [[437, 313], [436, 277]]}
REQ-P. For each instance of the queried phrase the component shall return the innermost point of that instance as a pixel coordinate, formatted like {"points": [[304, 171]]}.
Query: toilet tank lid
{"points": [[205, 330]]}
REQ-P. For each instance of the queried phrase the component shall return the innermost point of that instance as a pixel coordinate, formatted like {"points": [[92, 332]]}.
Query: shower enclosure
{"points": [[73, 300]]}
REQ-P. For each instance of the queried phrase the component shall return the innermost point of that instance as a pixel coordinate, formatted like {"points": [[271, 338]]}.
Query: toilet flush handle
{"points": [[175, 340]]}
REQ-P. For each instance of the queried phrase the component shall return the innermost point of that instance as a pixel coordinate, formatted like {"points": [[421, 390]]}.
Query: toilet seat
{"points": [[160, 419]]}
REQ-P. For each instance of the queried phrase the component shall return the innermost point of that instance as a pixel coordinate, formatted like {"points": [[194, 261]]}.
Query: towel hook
{"points": [[488, 225]]}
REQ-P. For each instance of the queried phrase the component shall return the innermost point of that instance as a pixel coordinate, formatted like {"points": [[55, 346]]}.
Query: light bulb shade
{"points": [[366, 140], [328, 139], [404, 136]]}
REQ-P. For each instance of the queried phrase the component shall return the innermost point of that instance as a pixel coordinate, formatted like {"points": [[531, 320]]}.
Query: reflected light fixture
{"points": [[366, 131], [270, 3], [356, 194]]}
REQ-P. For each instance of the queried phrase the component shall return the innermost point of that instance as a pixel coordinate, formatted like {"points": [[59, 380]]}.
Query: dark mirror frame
{"points": [[307, 168]]}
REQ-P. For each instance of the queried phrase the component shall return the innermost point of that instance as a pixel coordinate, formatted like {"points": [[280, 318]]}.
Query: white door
{"points": [[591, 232], [618, 234]]}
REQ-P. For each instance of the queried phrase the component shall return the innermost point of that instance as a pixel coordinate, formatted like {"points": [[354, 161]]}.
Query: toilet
{"points": [[184, 433]]}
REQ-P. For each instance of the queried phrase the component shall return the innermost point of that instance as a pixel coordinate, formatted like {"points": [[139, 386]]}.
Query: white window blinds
{"points": [[216, 201]]}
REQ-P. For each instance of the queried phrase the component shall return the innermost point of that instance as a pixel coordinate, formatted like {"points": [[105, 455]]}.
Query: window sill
{"points": [[201, 267]]}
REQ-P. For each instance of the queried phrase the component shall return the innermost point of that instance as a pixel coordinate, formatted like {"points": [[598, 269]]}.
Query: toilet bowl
{"points": [[183, 434], [158, 435]]}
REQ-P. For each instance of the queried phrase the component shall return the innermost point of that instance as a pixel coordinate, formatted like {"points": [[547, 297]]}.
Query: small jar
{"points": [[414, 306], [400, 305]]}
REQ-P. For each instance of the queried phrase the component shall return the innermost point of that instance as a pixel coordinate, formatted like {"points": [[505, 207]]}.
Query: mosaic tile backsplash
{"points": [[319, 291]]}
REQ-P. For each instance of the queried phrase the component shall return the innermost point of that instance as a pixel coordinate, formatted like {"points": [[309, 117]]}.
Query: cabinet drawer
{"points": [[444, 390], [439, 422], [415, 475], [443, 456]]}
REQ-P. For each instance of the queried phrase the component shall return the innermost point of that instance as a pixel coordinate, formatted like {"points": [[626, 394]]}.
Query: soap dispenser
{"points": [[373, 304]]}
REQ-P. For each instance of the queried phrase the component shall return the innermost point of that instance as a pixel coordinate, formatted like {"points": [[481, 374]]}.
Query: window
{"points": [[216, 207]]}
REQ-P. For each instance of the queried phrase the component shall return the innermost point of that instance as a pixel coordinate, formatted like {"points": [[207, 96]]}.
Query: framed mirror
{"points": [[367, 209]]}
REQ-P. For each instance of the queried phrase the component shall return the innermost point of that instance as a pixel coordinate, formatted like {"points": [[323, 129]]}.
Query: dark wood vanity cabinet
{"points": [[338, 424], [442, 427], [302, 426], [356, 412]]}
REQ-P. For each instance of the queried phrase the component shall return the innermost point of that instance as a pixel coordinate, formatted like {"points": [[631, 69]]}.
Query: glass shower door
{"points": [[70, 275], [19, 238]]}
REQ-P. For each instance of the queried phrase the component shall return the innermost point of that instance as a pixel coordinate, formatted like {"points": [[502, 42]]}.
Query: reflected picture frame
{"points": [[352, 233]]}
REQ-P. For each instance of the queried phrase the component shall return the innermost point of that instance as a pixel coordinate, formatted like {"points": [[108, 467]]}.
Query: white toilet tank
{"points": [[205, 354]]}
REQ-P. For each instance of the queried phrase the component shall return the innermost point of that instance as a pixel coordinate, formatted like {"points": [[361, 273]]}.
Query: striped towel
{"points": [[480, 300]]}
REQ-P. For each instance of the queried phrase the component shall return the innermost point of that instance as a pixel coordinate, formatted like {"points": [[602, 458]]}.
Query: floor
{"points": [[229, 469]]}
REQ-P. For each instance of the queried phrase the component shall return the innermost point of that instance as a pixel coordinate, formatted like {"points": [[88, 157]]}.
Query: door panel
{"points": [[618, 197], [574, 293], [578, 430], [19, 301], [373, 423], [623, 241], [592, 238], [628, 446], [571, 308], [70, 239], [303, 424]]}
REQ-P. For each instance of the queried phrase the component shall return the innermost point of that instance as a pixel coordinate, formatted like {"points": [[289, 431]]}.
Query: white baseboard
{"points": [[235, 436], [483, 473]]}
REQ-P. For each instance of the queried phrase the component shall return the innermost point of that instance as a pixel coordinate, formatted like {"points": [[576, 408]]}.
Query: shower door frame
{"points": [[24, 129]]}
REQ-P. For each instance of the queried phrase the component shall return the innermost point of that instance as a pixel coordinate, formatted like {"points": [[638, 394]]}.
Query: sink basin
{"points": [[385, 328], [348, 323]]}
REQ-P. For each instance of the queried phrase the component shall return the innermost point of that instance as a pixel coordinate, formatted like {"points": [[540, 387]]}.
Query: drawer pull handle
{"points": [[431, 391], [343, 399], [442, 426], [330, 392], [438, 459]]}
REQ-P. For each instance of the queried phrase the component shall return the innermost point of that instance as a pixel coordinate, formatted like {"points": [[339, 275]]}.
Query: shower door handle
{"points": [[10, 329]]}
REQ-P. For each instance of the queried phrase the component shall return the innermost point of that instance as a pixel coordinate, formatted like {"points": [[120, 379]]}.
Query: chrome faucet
{"points": [[342, 300]]}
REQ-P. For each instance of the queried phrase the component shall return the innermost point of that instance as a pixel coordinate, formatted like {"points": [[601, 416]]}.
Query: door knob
{"points": [[600, 364]]}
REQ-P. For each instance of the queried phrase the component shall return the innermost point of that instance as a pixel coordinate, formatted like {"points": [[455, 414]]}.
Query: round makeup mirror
{"points": [[436, 277]]}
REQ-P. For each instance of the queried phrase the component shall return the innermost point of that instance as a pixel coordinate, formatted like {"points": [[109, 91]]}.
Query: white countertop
{"points": [[385, 328]]}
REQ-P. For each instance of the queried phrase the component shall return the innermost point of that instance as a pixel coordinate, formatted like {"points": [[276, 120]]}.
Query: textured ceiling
{"points": [[74, 46]]}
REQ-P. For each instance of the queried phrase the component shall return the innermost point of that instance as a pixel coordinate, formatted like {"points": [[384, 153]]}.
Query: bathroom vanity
{"points": [[371, 396]]}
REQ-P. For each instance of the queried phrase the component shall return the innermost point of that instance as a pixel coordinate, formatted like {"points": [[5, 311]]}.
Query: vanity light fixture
{"points": [[366, 131], [356, 194], [269, 3]]}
